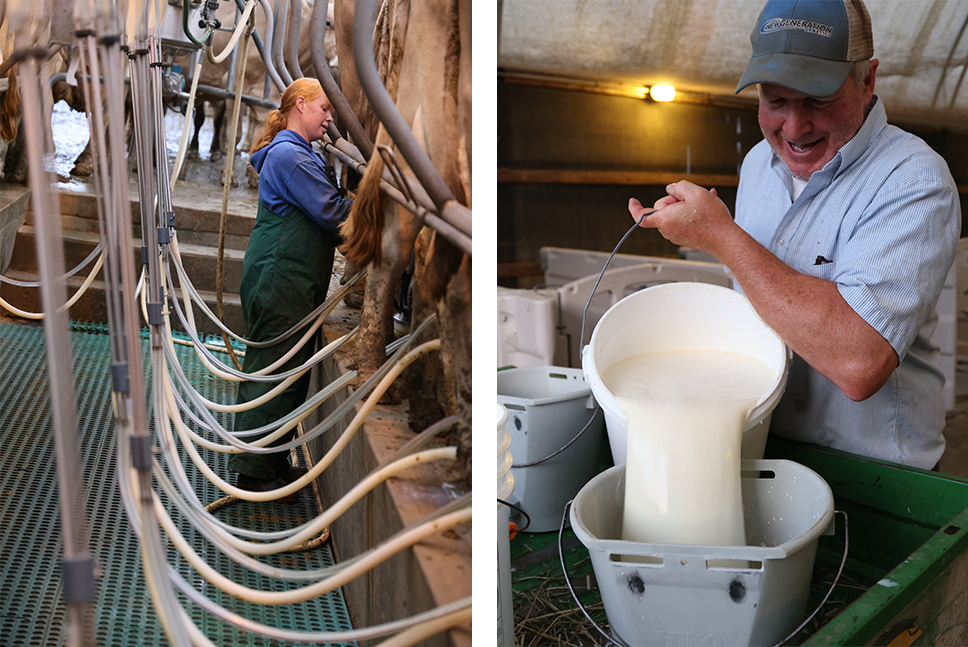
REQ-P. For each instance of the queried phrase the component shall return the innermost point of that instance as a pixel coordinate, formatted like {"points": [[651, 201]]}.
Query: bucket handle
{"points": [[840, 570], [621, 643], [584, 313], [567, 445], [564, 569]]}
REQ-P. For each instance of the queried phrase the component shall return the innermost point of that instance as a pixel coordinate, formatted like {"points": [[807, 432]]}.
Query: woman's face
{"points": [[314, 116]]}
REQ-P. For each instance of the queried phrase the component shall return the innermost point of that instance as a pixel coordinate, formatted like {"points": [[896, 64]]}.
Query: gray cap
{"points": [[808, 46]]}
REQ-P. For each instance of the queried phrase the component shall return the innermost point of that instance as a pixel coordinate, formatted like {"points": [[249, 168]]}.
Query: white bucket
{"points": [[547, 407], [684, 316], [710, 595], [505, 486]]}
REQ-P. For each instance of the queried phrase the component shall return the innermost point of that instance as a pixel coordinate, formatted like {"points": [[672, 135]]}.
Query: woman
{"points": [[288, 263]]}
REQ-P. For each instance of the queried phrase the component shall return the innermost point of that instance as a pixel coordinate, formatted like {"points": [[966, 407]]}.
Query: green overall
{"points": [[285, 276]]}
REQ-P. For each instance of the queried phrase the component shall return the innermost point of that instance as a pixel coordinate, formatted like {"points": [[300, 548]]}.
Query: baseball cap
{"points": [[808, 46]]}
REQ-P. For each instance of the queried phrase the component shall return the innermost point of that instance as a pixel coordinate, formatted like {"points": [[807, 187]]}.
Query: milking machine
{"points": [[104, 51]]}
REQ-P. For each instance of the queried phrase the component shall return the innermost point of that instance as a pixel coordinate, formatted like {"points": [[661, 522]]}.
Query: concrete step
{"points": [[197, 212], [13, 207], [91, 306], [201, 262]]}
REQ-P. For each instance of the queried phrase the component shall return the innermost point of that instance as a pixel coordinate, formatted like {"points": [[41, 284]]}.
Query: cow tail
{"points": [[363, 230], [11, 111]]}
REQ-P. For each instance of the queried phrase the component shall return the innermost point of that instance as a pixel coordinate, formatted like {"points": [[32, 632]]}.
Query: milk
{"points": [[686, 410]]}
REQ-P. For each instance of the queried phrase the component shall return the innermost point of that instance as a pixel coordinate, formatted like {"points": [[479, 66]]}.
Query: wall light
{"points": [[662, 92]]}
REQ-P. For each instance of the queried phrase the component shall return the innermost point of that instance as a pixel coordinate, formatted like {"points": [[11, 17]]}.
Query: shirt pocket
{"points": [[825, 271]]}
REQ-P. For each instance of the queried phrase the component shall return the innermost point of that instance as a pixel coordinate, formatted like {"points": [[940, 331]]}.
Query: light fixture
{"points": [[662, 92]]}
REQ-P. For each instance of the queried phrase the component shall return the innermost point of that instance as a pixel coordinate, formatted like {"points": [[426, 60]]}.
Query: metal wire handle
{"points": [[584, 313], [564, 569], [621, 643], [566, 446]]}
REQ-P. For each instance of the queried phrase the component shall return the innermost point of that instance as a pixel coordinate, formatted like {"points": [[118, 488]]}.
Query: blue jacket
{"points": [[292, 174]]}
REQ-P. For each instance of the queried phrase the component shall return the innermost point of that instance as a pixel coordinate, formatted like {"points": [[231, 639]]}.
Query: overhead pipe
{"points": [[292, 39], [417, 202], [278, 40], [265, 47], [256, 37], [317, 28], [221, 93], [448, 207]]}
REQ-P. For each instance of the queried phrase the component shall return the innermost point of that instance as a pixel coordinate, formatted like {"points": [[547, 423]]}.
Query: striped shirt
{"points": [[882, 220]]}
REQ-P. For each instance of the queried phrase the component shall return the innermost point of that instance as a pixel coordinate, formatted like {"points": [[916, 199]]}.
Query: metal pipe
{"points": [[429, 218], [50, 261], [292, 39], [92, 97], [458, 217], [225, 94], [278, 40], [256, 38], [221, 93], [234, 56], [383, 106], [267, 50], [317, 28], [161, 150]]}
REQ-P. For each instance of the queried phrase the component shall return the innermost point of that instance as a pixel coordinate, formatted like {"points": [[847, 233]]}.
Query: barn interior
{"points": [[122, 346], [583, 127]]}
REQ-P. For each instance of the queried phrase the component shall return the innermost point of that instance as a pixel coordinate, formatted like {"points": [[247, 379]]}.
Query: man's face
{"points": [[806, 132]]}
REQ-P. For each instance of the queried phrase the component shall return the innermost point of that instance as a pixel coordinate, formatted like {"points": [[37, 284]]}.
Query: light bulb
{"points": [[662, 92]]}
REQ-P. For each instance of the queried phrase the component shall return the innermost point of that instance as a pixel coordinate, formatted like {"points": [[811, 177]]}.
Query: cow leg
{"points": [[198, 120], [455, 354], [218, 132], [13, 164], [382, 280], [353, 299], [84, 164], [424, 376]]}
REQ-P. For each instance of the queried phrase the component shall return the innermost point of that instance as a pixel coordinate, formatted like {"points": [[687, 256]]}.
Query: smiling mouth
{"points": [[801, 148]]}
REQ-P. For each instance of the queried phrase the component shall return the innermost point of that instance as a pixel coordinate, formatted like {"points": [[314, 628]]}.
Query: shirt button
{"points": [[780, 243]]}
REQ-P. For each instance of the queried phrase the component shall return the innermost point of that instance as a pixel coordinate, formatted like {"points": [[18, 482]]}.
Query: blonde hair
{"points": [[278, 119]]}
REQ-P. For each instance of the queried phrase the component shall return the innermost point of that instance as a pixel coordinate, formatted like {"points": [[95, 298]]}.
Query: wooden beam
{"points": [[517, 270], [640, 178]]}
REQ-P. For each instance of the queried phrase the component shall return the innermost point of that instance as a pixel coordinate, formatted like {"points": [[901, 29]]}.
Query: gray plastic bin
{"points": [[547, 406], [710, 595]]}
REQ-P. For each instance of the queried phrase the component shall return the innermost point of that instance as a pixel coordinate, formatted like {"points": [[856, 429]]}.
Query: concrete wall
{"points": [[433, 572]]}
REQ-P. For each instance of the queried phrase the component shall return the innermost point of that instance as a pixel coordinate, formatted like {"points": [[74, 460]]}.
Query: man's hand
{"points": [[690, 215]]}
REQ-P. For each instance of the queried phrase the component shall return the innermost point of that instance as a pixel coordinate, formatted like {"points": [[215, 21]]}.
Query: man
{"points": [[845, 230]]}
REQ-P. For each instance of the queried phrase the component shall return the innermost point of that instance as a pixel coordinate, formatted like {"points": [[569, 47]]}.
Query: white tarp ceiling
{"points": [[703, 46]]}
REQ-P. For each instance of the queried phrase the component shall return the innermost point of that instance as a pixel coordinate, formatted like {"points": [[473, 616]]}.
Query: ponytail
{"points": [[275, 122]]}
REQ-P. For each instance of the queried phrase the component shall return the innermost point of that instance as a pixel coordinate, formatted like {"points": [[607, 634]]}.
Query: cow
{"points": [[10, 108], [423, 54]]}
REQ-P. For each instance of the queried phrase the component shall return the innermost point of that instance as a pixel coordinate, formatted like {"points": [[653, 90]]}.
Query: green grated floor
{"points": [[31, 610]]}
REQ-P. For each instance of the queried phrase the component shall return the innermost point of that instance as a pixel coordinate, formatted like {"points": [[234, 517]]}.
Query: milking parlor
{"points": [[732, 323]]}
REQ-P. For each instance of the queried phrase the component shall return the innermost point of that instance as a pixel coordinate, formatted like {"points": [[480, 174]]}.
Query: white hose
{"points": [[186, 126], [239, 26], [184, 429], [424, 630], [327, 585], [269, 395], [70, 302], [218, 372], [330, 456]]}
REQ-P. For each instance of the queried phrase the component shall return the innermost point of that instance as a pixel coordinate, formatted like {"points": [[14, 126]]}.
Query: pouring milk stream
{"points": [[686, 410]]}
